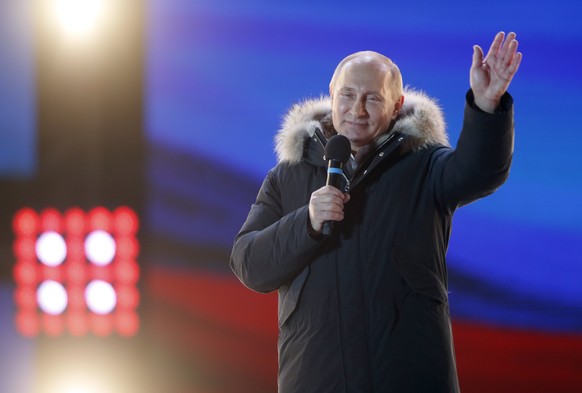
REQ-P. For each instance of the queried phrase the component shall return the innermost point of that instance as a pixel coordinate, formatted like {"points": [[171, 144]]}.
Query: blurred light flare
{"points": [[78, 389], [78, 16], [79, 380]]}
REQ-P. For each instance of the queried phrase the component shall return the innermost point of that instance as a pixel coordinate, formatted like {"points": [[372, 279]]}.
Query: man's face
{"points": [[362, 104]]}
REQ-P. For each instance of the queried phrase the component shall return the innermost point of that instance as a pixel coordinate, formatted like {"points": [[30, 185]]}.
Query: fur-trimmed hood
{"points": [[420, 117]]}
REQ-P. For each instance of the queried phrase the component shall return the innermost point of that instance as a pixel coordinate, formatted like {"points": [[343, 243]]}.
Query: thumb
{"points": [[477, 56]]}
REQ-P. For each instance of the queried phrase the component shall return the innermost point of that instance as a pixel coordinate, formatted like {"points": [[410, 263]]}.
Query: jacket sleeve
{"points": [[481, 161], [271, 249]]}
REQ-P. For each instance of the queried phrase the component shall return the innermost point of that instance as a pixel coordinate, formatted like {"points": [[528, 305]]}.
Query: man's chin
{"points": [[354, 132]]}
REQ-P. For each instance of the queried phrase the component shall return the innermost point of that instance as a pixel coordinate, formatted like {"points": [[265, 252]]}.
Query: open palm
{"points": [[492, 74]]}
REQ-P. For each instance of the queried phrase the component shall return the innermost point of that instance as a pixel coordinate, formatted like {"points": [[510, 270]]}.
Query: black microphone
{"points": [[337, 152]]}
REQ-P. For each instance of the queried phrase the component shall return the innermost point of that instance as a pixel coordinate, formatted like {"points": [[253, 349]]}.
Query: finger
{"points": [[477, 56], [495, 45], [508, 49], [328, 195], [327, 202], [332, 206], [514, 66], [508, 65], [321, 212], [329, 215], [330, 190], [510, 56]]}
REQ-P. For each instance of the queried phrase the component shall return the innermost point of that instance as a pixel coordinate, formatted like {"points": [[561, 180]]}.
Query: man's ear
{"points": [[397, 107]]}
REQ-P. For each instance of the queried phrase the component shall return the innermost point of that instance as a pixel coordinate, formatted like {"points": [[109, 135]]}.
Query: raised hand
{"points": [[490, 76]]}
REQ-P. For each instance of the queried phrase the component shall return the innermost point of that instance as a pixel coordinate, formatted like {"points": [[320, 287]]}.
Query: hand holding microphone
{"points": [[327, 203]]}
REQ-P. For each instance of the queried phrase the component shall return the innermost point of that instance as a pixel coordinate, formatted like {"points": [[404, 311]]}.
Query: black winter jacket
{"points": [[366, 310]]}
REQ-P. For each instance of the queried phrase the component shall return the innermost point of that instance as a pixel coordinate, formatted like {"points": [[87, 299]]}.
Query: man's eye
{"points": [[347, 94], [374, 98]]}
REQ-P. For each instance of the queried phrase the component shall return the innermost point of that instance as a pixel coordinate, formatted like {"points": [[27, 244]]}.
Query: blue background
{"points": [[17, 85]]}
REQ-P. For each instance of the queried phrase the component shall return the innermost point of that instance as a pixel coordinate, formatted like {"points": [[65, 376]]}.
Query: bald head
{"points": [[394, 79]]}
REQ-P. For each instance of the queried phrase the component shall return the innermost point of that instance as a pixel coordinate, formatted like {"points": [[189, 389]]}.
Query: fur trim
{"points": [[420, 117]]}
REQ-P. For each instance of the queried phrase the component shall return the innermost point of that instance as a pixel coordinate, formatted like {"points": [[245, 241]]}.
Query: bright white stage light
{"points": [[79, 389], [51, 297], [78, 16], [86, 383], [100, 247], [51, 248], [100, 297]]}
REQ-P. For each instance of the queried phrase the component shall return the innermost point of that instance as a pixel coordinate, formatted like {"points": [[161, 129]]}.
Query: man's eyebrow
{"points": [[369, 93]]}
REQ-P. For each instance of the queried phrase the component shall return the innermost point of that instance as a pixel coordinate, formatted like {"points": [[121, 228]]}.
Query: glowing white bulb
{"points": [[78, 16], [75, 389], [79, 389], [100, 297], [100, 247], [52, 297], [51, 248], [81, 384]]}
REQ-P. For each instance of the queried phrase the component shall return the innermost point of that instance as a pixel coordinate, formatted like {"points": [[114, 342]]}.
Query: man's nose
{"points": [[359, 107]]}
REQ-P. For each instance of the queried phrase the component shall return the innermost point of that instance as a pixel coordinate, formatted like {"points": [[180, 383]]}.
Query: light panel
{"points": [[76, 272]]}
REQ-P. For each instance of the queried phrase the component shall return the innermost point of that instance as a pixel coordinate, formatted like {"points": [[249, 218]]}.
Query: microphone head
{"points": [[338, 148]]}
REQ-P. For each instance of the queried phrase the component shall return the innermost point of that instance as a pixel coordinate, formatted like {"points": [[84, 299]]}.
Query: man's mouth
{"points": [[355, 123]]}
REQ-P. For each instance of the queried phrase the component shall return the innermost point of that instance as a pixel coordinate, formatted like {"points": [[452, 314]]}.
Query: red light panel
{"points": [[76, 272]]}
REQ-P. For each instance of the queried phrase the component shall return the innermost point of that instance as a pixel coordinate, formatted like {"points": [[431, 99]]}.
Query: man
{"points": [[366, 309]]}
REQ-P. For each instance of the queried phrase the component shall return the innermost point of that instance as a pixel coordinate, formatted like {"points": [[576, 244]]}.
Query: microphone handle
{"points": [[327, 228], [334, 179]]}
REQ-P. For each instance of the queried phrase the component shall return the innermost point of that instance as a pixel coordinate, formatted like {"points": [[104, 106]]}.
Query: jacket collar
{"points": [[420, 120]]}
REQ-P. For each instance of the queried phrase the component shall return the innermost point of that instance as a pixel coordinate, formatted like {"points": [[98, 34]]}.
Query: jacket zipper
{"points": [[366, 166]]}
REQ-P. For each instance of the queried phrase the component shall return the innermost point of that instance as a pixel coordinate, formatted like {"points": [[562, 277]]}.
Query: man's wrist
{"points": [[312, 232], [489, 106]]}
